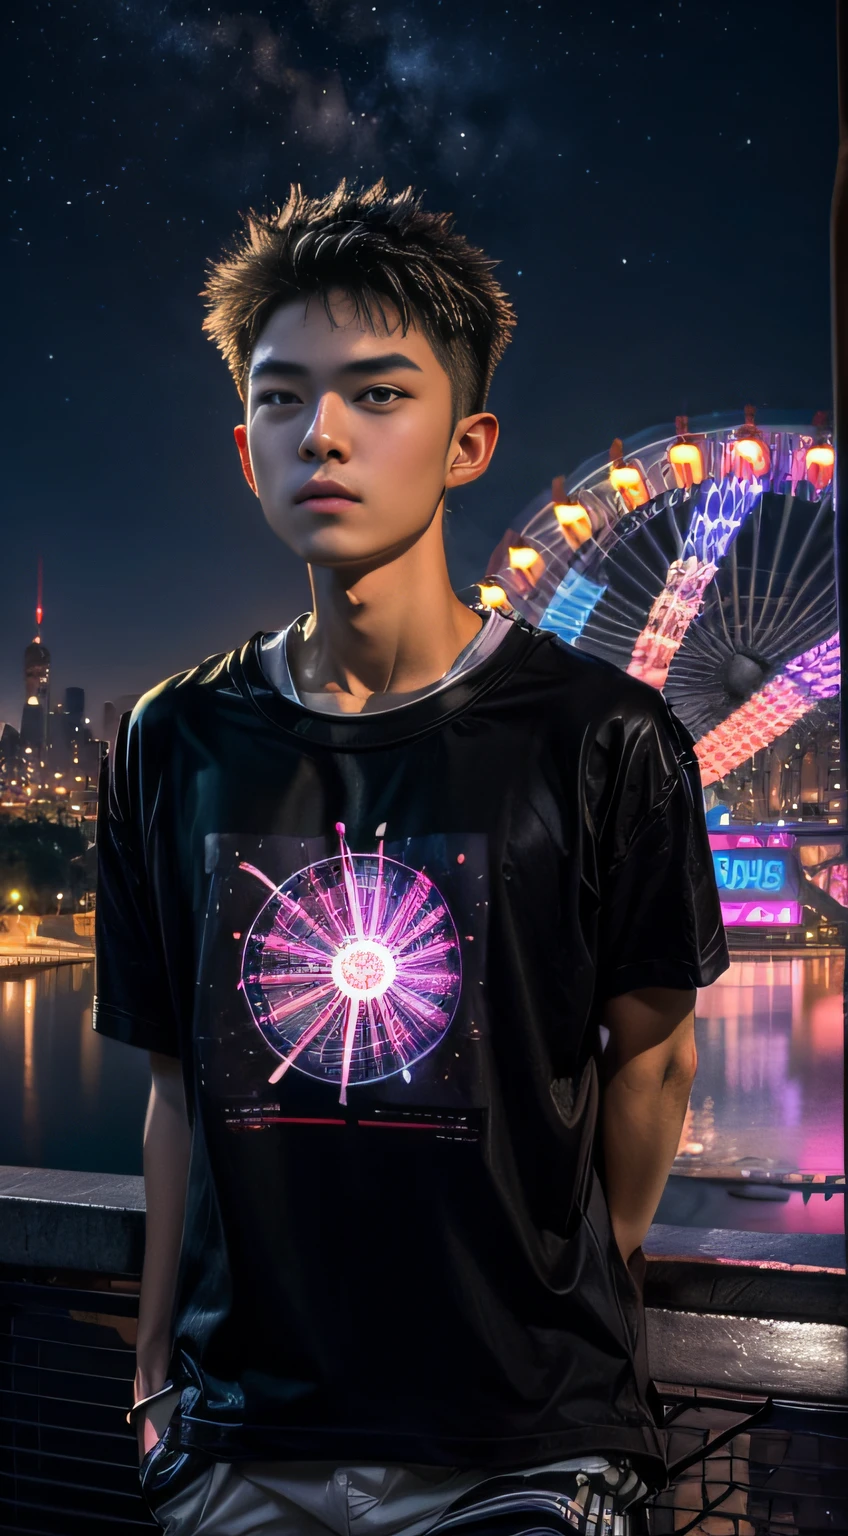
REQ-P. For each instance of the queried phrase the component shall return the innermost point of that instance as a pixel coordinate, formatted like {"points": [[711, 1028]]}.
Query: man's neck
{"points": [[395, 628]]}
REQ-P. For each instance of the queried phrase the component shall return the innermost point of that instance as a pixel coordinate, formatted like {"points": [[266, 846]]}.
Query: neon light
{"points": [[718, 515], [722, 840], [574, 521], [571, 606], [364, 969], [750, 457], [687, 462], [670, 616], [628, 481], [568, 512], [834, 880], [765, 877], [492, 595], [522, 558], [720, 511], [760, 914], [817, 670], [819, 465], [754, 725], [774, 709], [351, 970]]}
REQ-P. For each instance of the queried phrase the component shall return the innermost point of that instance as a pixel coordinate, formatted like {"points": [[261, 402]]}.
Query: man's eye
{"points": [[278, 397], [385, 390]]}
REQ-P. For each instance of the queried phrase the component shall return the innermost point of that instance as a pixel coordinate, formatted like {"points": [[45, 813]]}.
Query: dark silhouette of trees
{"points": [[39, 858]]}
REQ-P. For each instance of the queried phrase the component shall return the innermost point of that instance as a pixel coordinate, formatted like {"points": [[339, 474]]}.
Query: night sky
{"points": [[654, 179]]}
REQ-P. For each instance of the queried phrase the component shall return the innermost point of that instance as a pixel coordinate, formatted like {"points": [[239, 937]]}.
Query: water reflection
{"points": [[769, 1082], [68, 1098], [29, 989]]}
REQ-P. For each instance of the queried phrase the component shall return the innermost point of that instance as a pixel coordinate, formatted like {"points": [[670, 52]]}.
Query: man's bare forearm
{"points": [[649, 1065], [167, 1144]]}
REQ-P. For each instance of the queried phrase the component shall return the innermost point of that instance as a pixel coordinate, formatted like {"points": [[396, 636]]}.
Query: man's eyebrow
{"points": [[386, 362]]}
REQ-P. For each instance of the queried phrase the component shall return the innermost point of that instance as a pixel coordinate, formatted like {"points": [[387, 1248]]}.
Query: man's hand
{"points": [[152, 1422], [648, 1070], [167, 1145]]}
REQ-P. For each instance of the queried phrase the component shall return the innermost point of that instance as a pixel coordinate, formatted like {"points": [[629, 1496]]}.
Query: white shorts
{"points": [[309, 1498]]}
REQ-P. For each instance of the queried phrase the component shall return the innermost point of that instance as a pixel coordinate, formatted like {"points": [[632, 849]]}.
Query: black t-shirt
{"points": [[381, 948]]}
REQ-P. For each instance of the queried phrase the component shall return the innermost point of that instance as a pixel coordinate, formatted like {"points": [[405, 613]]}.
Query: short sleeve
{"points": [[132, 998], [660, 920]]}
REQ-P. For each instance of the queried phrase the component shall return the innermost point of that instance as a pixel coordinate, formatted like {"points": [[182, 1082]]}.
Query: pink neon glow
{"points": [[670, 616], [352, 969], [798, 469], [717, 516], [756, 724], [760, 913], [774, 709], [720, 841], [834, 880]]}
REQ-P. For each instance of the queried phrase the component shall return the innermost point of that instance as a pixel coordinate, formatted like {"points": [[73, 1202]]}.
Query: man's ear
{"points": [[473, 445], [240, 435]]}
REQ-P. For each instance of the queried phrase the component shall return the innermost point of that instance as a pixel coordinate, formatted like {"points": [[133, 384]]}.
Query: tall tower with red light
{"points": [[36, 682]]}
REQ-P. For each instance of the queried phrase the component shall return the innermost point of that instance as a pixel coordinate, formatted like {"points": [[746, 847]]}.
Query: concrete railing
{"points": [[740, 1311]]}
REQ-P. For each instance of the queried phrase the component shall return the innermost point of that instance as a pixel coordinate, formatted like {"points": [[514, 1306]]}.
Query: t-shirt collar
{"points": [[272, 652], [386, 726]]}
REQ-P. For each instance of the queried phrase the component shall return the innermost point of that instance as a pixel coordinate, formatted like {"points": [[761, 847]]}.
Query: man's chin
{"points": [[335, 549], [334, 544]]}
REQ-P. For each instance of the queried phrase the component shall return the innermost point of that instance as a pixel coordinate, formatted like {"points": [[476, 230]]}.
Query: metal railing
{"points": [[68, 1460], [747, 1333]]}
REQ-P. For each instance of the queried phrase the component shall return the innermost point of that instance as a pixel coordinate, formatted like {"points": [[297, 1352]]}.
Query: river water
{"points": [[769, 1084]]}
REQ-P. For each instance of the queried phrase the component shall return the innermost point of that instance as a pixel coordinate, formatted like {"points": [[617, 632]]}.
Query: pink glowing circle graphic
{"points": [[352, 969]]}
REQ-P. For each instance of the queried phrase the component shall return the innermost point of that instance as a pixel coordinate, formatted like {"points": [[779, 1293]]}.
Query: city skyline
{"points": [[40, 693]]}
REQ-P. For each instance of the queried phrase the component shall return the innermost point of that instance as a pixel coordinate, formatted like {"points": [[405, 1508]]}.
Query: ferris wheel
{"points": [[701, 562]]}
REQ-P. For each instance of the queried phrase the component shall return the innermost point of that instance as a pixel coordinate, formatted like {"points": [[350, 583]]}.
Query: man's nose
{"points": [[327, 435]]}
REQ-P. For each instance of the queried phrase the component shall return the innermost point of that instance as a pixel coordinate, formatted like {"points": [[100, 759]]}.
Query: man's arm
{"points": [[648, 1070], [167, 1142]]}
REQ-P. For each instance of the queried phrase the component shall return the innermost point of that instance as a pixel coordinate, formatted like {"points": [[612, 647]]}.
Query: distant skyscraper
{"points": [[55, 759], [10, 751], [37, 685]]}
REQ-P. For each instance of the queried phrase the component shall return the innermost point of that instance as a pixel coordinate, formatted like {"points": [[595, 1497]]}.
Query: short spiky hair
{"points": [[374, 247]]}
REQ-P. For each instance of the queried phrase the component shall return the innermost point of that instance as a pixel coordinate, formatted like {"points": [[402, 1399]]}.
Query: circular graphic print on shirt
{"points": [[352, 969]]}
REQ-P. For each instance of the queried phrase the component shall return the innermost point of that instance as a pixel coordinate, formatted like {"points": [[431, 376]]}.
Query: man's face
{"points": [[371, 412]]}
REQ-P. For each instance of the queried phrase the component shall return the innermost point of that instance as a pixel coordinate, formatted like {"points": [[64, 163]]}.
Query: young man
{"points": [[408, 902]]}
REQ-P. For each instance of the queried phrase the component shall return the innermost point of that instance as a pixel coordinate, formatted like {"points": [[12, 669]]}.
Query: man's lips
{"points": [[326, 496], [328, 503]]}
